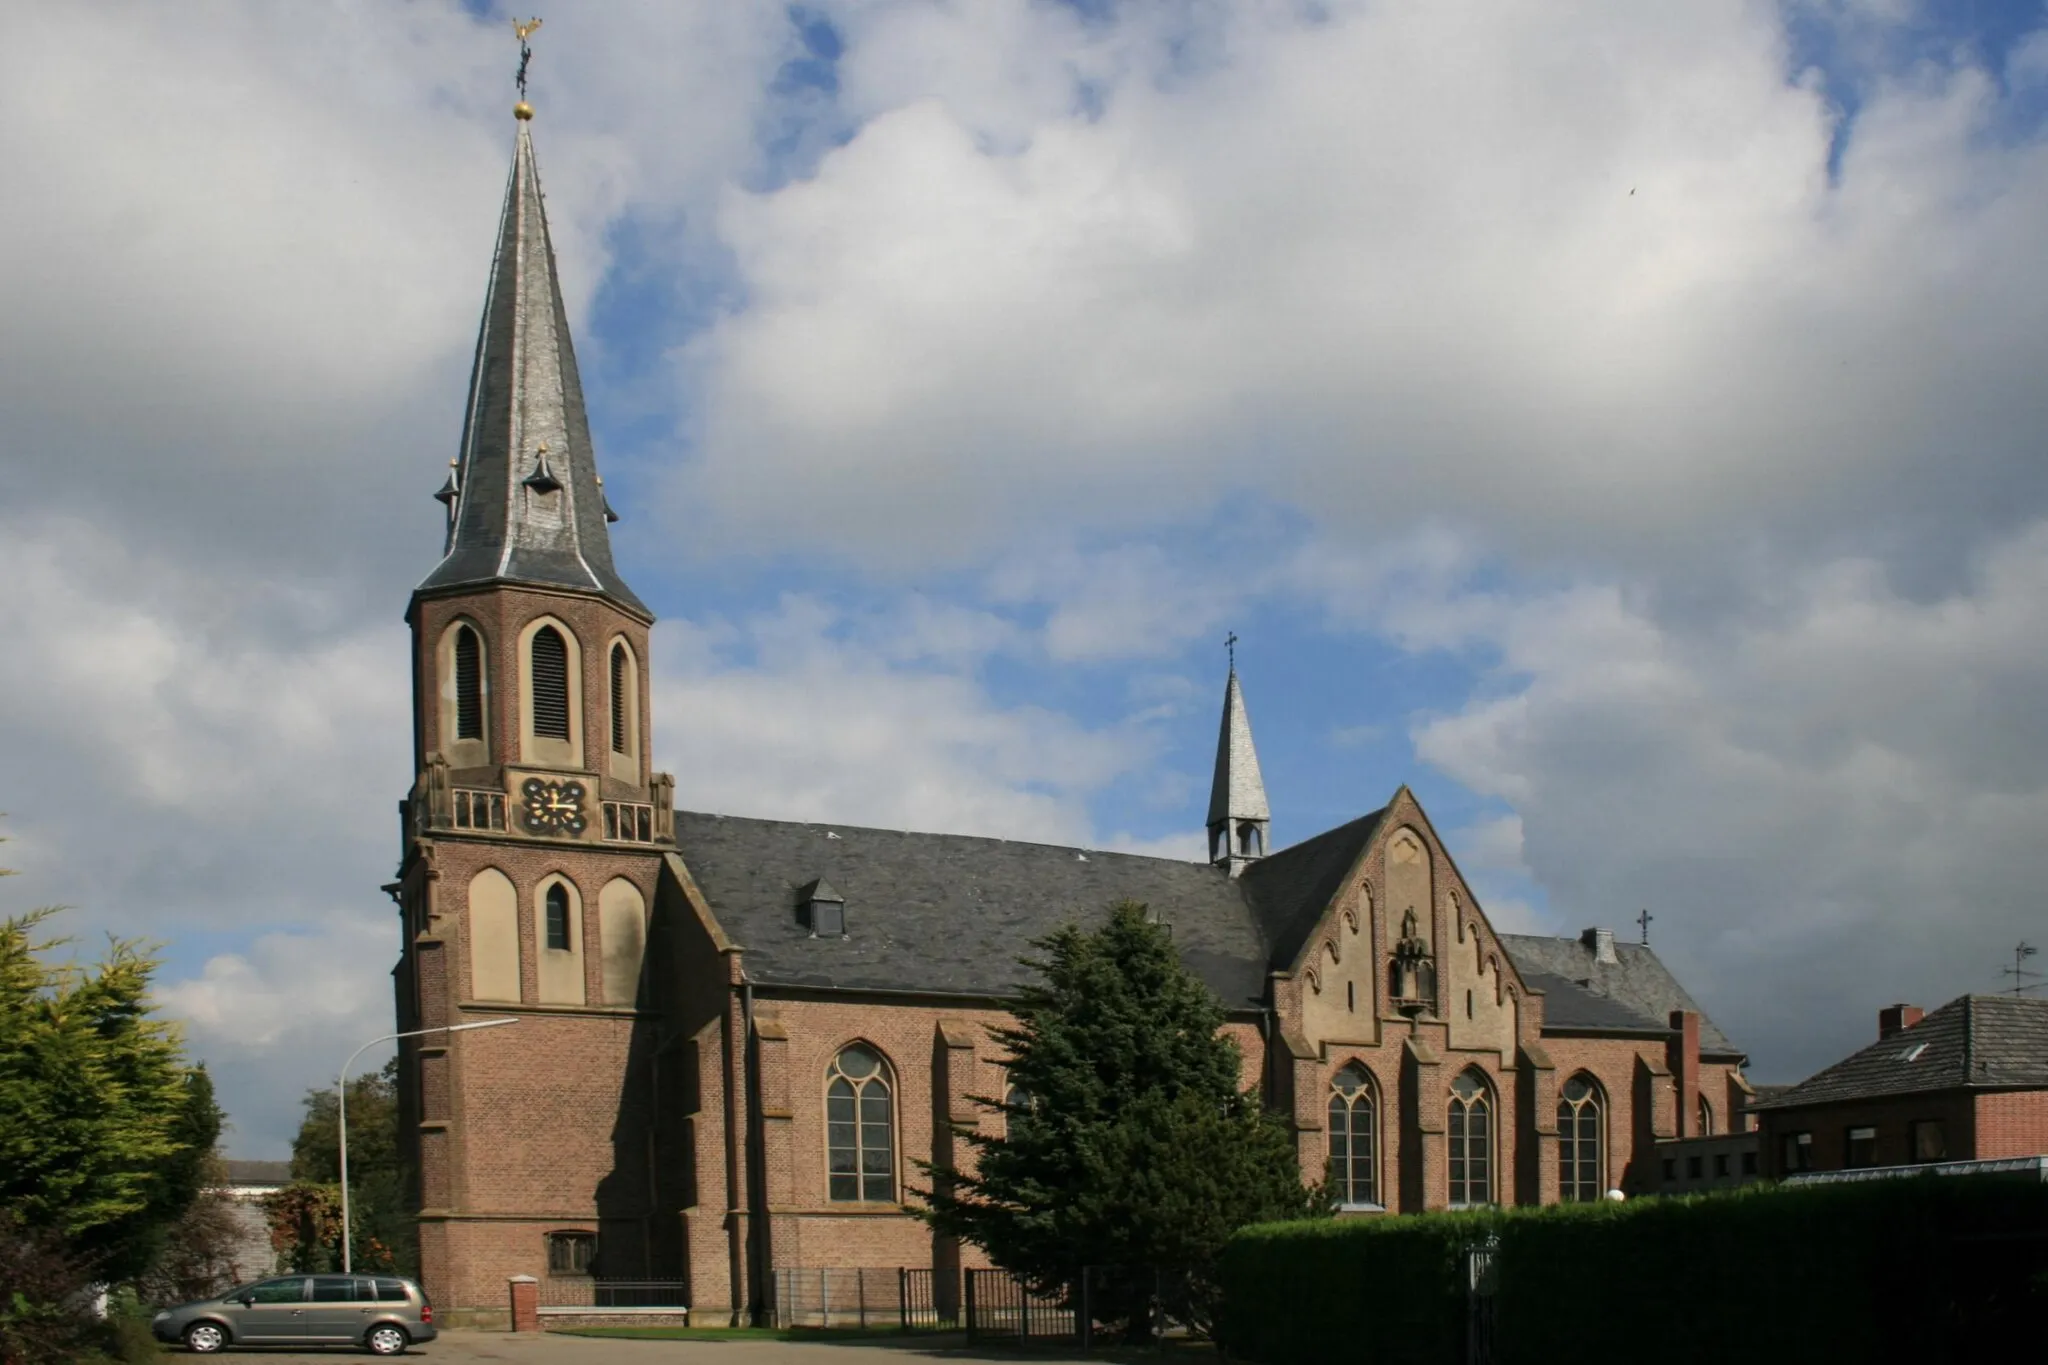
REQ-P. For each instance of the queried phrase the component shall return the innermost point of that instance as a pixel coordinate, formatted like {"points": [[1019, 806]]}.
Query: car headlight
{"points": [[161, 1316]]}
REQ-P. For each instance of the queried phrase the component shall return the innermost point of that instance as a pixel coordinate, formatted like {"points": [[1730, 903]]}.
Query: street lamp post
{"points": [[347, 1248]]}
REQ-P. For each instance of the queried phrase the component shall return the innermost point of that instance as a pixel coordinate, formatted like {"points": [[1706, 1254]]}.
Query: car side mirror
{"points": [[247, 1300]]}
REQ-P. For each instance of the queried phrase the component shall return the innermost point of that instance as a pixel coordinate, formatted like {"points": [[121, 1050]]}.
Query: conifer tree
{"points": [[1126, 1140], [104, 1129]]}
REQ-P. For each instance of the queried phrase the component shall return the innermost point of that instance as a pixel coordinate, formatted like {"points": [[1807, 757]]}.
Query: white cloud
{"points": [[781, 717], [1583, 284], [282, 1014], [1830, 802]]}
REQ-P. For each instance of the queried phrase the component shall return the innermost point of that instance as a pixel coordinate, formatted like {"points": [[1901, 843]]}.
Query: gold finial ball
{"points": [[522, 110]]}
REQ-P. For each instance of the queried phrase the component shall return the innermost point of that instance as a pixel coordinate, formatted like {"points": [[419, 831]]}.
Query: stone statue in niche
{"points": [[1413, 983]]}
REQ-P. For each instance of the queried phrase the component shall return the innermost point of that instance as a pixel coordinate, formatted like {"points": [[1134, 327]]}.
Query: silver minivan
{"points": [[383, 1314]]}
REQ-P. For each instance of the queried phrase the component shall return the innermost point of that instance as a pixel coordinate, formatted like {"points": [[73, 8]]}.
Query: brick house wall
{"points": [[2011, 1123], [1892, 1117]]}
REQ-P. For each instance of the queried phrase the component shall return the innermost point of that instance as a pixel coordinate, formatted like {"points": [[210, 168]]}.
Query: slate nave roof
{"points": [[952, 914]]}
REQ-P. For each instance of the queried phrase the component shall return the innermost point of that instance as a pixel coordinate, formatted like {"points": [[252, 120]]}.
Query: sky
{"points": [[1623, 424]]}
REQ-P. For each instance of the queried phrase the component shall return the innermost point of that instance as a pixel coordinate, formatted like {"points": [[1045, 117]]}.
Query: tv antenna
{"points": [[2024, 978]]}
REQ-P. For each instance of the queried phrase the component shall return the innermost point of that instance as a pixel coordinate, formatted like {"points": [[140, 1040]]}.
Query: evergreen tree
{"points": [[1128, 1142], [102, 1125]]}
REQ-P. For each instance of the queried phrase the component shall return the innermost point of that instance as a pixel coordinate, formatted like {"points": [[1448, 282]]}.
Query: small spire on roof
{"points": [[542, 479], [609, 515], [450, 489], [1239, 819]]}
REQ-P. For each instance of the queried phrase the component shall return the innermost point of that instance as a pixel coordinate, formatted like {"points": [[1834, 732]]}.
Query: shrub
{"points": [[1379, 1289], [1933, 1269]]}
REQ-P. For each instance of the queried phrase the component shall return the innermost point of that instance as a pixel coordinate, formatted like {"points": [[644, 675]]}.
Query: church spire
{"points": [[527, 504], [1239, 819]]}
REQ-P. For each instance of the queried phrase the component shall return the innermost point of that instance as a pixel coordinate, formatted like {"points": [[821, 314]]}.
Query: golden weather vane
{"points": [[524, 29]]}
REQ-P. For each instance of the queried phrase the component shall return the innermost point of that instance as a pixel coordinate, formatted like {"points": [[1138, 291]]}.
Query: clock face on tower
{"points": [[552, 807]]}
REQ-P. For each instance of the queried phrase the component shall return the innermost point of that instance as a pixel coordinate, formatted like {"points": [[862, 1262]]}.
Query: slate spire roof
{"points": [[1239, 791], [528, 507]]}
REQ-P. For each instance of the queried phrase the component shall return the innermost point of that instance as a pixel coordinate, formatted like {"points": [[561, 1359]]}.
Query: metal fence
{"points": [[1482, 1282], [1130, 1304], [902, 1297], [1126, 1303], [998, 1305]]}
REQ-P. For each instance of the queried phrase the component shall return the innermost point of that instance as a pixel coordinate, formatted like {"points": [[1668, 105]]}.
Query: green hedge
{"points": [[1928, 1269], [1381, 1289]]}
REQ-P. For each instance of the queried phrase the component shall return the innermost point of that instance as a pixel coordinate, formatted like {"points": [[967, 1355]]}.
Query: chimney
{"points": [[1601, 941], [1682, 1055], [1897, 1019]]}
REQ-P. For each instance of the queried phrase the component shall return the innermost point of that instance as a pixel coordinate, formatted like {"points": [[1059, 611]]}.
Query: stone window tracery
{"points": [[1353, 1138], [1580, 1137], [860, 1137], [1471, 1131]]}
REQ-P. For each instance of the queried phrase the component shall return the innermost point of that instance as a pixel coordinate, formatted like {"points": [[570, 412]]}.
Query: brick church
{"points": [[737, 1036]]}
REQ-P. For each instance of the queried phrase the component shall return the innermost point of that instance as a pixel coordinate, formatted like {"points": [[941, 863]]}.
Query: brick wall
{"points": [[2012, 1123], [1891, 1116]]}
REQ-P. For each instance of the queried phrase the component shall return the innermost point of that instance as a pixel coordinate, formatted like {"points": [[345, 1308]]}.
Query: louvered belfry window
{"points": [[469, 685], [620, 733], [550, 684]]}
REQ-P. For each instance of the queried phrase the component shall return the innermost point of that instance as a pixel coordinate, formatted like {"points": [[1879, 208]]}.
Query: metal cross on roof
{"points": [[1230, 644], [524, 29], [1644, 920]]}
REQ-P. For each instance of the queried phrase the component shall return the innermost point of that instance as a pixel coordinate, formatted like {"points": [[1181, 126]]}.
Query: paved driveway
{"points": [[476, 1348]]}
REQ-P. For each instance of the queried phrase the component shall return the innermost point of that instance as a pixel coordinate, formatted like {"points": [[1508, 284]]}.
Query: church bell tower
{"points": [[535, 827], [530, 651]]}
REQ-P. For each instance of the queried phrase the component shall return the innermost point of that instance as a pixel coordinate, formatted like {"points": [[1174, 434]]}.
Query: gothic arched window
{"points": [[860, 1137], [1471, 1140], [1354, 1133], [469, 684], [622, 732], [556, 905], [1580, 1125], [550, 665]]}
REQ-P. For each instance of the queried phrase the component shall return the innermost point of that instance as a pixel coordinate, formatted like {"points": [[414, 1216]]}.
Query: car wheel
{"points": [[386, 1340], [204, 1338]]}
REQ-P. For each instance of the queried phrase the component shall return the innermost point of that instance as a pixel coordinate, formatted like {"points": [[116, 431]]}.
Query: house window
{"points": [[1354, 1147], [550, 665], [860, 1139], [622, 733], [1798, 1152], [1248, 840], [469, 685], [1471, 1140], [1720, 1163], [1578, 1141], [557, 910], [1351, 996], [571, 1253], [1859, 1148], [1706, 1117], [1749, 1163], [1930, 1142], [1694, 1168], [1670, 1170]]}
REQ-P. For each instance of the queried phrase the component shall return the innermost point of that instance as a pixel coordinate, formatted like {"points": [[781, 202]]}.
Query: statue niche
{"points": [[1412, 972]]}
